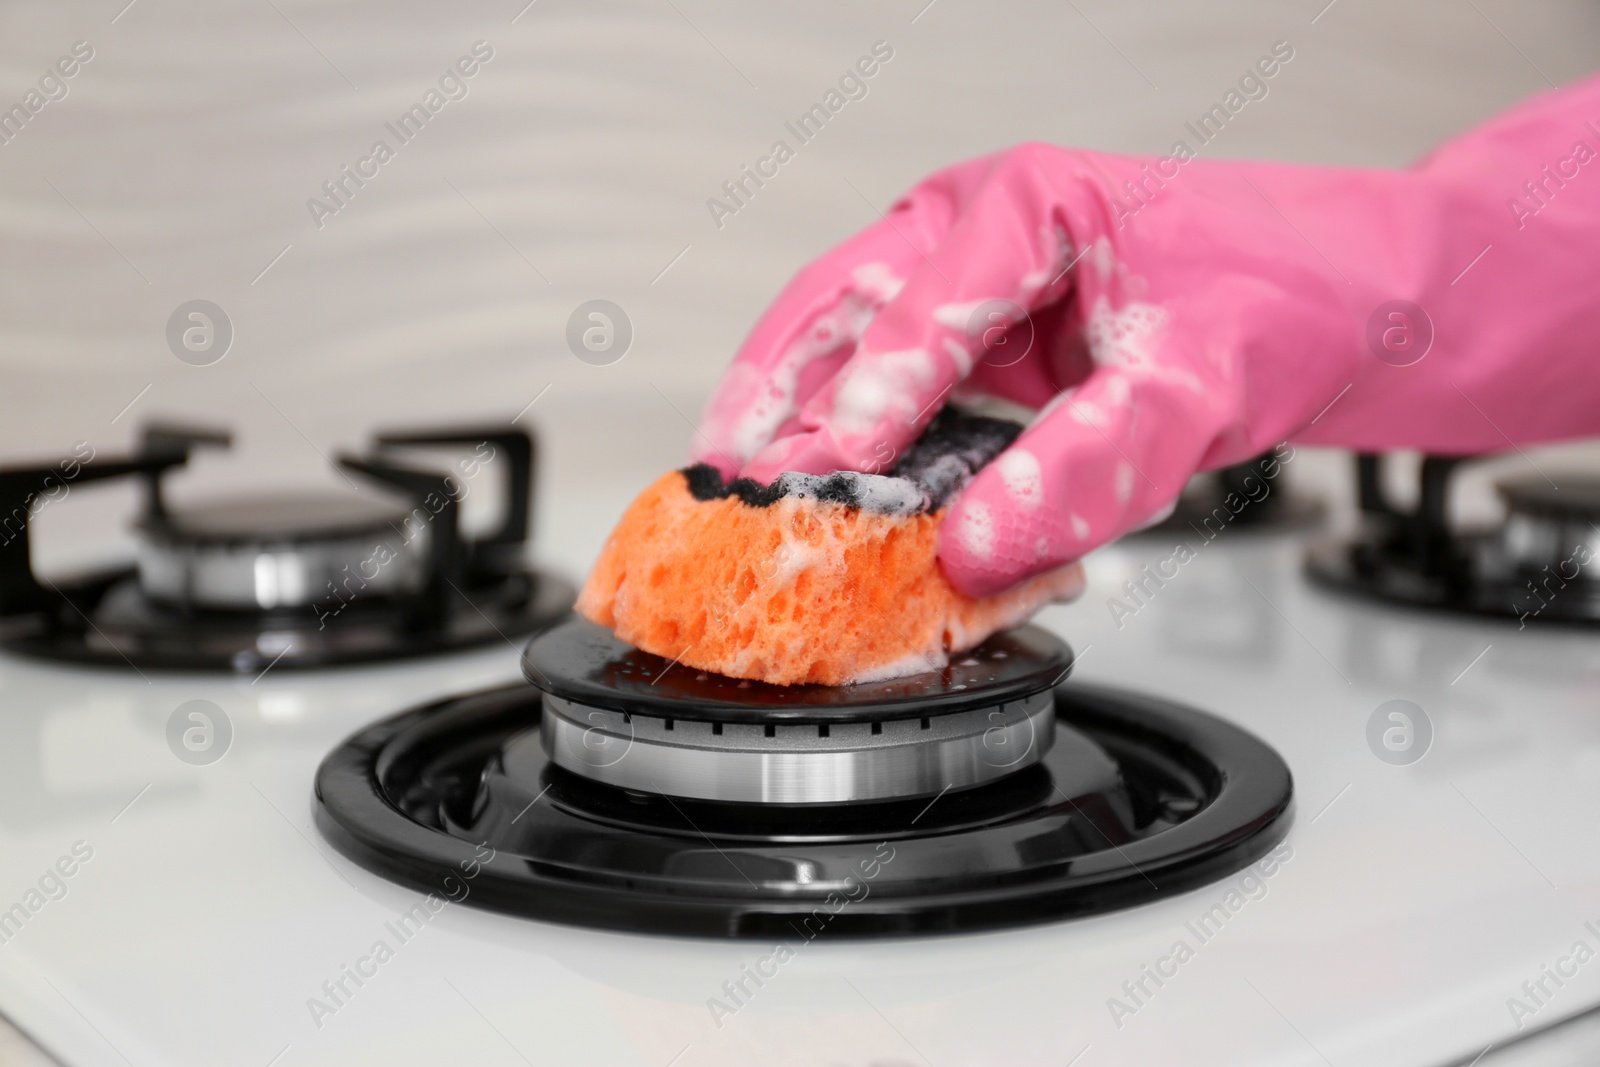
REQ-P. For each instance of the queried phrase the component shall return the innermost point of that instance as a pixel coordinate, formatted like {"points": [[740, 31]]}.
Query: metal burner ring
{"points": [[800, 763]]}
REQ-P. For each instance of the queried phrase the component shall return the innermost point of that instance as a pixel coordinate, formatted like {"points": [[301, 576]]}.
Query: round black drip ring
{"points": [[1150, 798], [107, 620], [1478, 582]]}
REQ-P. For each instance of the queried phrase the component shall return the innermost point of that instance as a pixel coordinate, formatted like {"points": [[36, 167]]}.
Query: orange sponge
{"points": [[797, 584]]}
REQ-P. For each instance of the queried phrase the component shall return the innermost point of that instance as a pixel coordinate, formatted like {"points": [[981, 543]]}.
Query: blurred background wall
{"points": [[578, 164]]}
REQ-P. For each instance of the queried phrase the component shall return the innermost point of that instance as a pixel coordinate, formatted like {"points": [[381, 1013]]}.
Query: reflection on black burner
{"points": [[1149, 798], [292, 581], [1541, 565]]}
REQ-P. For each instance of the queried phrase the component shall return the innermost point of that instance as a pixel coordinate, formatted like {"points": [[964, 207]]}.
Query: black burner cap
{"points": [[277, 519], [587, 664]]}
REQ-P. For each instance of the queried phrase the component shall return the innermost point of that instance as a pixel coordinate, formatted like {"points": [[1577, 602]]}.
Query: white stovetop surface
{"points": [[1418, 898]]}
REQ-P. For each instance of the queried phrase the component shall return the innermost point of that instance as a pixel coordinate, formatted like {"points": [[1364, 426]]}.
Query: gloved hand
{"points": [[1186, 314]]}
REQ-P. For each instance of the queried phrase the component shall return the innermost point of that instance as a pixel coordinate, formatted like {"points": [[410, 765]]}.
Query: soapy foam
{"points": [[1122, 483], [937, 466], [1103, 259], [872, 492], [774, 393], [975, 530], [913, 663], [957, 316], [1022, 476], [876, 386], [1124, 338], [1088, 413], [878, 281], [959, 355]]}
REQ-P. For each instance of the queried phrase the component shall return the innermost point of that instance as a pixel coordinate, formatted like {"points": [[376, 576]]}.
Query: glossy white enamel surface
{"points": [[1417, 899]]}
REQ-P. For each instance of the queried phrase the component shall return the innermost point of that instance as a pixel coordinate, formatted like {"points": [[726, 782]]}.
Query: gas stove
{"points": [[673, 801], [1539, 565], [427, 860], [307, 579]]}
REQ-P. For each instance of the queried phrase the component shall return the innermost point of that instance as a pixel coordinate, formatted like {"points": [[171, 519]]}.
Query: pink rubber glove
{"points": [[1186, 314]]}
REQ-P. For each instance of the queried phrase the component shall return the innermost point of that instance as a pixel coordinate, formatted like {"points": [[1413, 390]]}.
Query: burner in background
{"points": [[1542, 564], [300, 580], [1246, 496], [1138, 798]]}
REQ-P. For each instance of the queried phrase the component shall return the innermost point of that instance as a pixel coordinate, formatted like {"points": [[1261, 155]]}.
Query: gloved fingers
{"points": [[1004, 257], [1107, 457], [1041, 357], [804, 337]]}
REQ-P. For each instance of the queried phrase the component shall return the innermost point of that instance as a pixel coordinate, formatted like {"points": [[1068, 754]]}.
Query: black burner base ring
{"points": [[1160, 799], [107, 621], [1482, 584]]}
